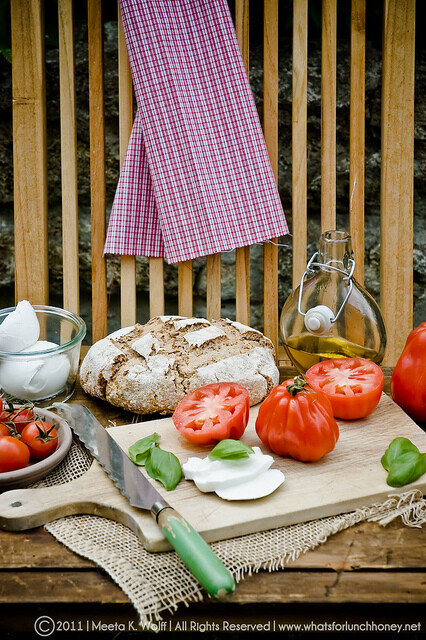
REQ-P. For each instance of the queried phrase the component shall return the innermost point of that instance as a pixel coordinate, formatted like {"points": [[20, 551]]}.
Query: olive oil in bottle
{"points": [[330, 315], [305, 351]]}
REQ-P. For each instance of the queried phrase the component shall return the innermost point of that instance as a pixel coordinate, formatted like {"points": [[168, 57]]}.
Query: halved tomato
{"points": [[353, 385], [212, 413]]}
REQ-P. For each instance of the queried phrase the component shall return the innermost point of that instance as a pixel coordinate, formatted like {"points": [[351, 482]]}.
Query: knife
{"points": [[197, 555]]}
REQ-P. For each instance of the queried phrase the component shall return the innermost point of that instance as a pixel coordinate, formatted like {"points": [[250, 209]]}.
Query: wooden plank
{"points": [[125, 123], [270, 129], [242, 24], [369, 546], [357, 136], [70, 259], [156, 287], [213, 294], [242, 285], [330, 587], [128, 290], [29, 152], [185, 289], [279, 587], [364, 546], [37, 549], [242, 254], [397, 171], [299, 138], [60, 587], [328, 115], [97, 168]]}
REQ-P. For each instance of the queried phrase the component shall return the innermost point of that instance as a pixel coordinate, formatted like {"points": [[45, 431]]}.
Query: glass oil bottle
{"points": [[330, 315]]}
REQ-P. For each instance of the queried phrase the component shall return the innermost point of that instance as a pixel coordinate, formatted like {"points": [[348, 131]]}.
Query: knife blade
{"points": [[197, 555]]}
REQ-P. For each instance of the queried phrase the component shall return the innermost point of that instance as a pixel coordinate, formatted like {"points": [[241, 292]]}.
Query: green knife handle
{"points": [[196, 554]]}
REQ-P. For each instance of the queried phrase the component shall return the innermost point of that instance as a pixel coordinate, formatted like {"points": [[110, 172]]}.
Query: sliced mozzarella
{"points": [[211, 475], [195, 465], [258, 487]]}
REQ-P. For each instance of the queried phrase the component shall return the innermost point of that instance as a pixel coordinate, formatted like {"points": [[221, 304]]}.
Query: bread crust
{"points": [[149, 368]]}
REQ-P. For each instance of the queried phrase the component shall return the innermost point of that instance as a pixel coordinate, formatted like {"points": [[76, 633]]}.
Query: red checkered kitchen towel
{"points": [[196, 179]]}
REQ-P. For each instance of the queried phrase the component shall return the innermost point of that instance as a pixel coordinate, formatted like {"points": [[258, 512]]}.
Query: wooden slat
{"points": [[29, 152], [327, 587], [242, 285], [97, 168], [270, 126], [328, 115], [185, 288], [364, 546], [125, 123], [357, 136], [266, 587], [156, 287], [213, 294], [242, 255], [70, 259], [396, 263], [299, 138], [242, 23]]}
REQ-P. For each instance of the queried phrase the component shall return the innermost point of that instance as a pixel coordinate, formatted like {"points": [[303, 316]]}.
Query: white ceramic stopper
{"points": [[318, 320]]}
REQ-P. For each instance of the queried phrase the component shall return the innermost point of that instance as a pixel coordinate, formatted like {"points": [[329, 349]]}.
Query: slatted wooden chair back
{"points": [[397, 151]]}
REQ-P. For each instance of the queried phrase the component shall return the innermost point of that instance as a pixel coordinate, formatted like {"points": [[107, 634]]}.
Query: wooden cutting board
{"points": [[349, 477]]}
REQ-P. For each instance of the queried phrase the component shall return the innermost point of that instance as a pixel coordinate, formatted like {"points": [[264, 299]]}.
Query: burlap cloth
{"points": [[156, 582]]}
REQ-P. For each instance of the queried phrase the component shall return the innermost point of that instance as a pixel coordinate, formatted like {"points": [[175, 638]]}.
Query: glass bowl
{"points": [[49, 374]]}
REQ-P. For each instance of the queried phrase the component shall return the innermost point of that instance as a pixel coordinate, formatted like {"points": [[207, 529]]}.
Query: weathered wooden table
{"points": [[367, 578]]}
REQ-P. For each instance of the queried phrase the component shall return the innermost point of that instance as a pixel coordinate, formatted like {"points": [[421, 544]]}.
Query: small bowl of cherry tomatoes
{"points": [[33, 442]]}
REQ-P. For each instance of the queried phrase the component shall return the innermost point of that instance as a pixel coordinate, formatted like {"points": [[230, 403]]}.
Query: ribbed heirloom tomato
{"points": [[212, 413], [353, 385], [296, 421]]}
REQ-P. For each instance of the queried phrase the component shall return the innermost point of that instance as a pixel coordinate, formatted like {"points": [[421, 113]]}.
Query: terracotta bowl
{"points": [[37, 470]]}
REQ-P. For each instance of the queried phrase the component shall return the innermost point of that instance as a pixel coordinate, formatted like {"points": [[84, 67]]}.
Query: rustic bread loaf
{"points": [[150, 368]]}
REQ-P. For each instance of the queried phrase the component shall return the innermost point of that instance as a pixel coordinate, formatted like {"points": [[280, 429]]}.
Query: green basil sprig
{"points": [[404, 462], [229, 449], [159, 464]]}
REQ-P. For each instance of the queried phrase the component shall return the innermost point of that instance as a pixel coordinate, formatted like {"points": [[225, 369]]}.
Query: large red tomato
{"points": [[353, 385], [296, 421], [408, 382], [212, 413]]}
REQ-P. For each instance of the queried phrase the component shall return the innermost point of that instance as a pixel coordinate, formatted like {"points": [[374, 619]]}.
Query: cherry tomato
{"points": [[353, 385], [4, 430], [14, 454], [212, 413], [408, 382], [20, 417], [41, 438], [296, 421]]}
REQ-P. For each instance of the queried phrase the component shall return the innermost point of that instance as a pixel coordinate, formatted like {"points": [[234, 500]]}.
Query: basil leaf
{"points": [[164, 467], [139, 451], [397, 447], [406, 468], [230, 450]]}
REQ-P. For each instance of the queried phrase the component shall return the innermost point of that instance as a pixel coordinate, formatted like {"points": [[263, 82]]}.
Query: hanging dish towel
{"points": [[197, 178]]}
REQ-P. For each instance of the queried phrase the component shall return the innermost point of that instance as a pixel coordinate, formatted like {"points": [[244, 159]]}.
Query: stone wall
{"points": [[372, 176]]}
